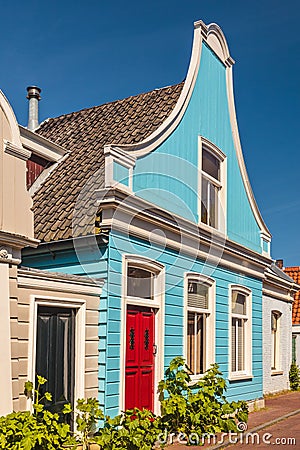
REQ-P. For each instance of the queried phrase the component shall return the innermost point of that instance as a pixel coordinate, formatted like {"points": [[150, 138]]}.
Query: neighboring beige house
{"points": [[31, 298]]}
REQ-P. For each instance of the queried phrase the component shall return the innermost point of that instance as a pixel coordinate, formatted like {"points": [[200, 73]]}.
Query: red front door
{"points": [[139, 370]]}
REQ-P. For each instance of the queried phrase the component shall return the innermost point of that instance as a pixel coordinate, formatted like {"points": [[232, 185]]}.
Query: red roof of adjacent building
{"points": [[294, 272]]}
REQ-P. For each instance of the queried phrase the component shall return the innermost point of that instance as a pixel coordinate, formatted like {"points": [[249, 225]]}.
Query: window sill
{"points": [[276, 372], [239, 376], [196, 378], [216, 231]]}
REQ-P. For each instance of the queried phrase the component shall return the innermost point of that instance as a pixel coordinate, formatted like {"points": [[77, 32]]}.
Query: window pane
{"points": [[213, 205], [199, 344], [210, 164], [237, 345], [233, 346], [238, 303], [195, 342], [140, 283], [197, 295], [274, 322], [204, 201], [294, 348], [191, 342], [240, 333], [273, 350]]}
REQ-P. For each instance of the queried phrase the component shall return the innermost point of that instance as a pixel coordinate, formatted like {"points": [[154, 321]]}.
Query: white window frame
{"points": [[80, 326], [275, 349], [221, 184], [158, 304], [209, 319], [247, 318]]}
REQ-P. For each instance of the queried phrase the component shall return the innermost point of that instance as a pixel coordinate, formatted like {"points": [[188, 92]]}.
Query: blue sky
{"points": [[86, 53]]}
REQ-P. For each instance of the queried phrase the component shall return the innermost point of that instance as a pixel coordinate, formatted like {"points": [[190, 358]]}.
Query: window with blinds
{"points": [[197, 323], [197, 295]]}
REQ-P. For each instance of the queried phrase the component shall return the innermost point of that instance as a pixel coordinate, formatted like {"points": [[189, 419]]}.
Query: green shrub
{"points": [[294, 377], [133, 430], [200, 408], [38, 430]]}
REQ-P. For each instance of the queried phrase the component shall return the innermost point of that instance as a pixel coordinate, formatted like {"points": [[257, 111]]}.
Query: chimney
{"points": [[279, 263], [33, 95]]}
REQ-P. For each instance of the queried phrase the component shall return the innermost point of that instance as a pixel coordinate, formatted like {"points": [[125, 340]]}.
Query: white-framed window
{"points": [[240, 357], [212, 185], [199, 323], [275, 340], [118, 168]]}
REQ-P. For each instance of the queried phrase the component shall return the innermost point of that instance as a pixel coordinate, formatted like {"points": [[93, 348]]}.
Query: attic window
{"points": [[212, 186], [35, 166]]}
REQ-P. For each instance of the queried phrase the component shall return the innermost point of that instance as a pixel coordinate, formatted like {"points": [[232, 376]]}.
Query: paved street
{"points": [[282, 434]]}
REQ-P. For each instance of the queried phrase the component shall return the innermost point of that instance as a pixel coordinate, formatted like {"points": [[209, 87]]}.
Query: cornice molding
{"points": [[118, 210], [16, 151], [271, 293], [16, 240], [41, 146], [55, 282]]}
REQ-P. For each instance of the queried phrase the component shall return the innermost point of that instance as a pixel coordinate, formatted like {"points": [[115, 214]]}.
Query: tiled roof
{"points": [[294, 272], [84, 133]]}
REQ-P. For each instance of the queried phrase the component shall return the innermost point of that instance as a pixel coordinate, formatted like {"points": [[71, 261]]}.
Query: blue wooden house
{"points": [[153, 196]]}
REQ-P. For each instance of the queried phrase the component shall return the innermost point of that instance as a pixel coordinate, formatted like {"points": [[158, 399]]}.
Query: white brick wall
{"points": [[296, 332], [280, 381]]}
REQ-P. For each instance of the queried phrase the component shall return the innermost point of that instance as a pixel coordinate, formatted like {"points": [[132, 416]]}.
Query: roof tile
{"points": [[294, 272]]}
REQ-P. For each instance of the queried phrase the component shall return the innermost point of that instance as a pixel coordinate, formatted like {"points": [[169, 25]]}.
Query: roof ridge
{"points": [[106, 103]]}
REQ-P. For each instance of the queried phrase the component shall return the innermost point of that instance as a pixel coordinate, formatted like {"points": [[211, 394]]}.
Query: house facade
{"points": [[153, 196], [278, 296], [38, 309]]}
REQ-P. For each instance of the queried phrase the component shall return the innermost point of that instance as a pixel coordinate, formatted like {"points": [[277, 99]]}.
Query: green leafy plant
{"points": [[132, 430], [38, 430], [200, 408], [294, 377], [87, 416]]}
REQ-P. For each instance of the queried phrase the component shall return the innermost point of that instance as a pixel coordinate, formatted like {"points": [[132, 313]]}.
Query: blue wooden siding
{"points": [[110, 268], [176, 265], [169, 175]]}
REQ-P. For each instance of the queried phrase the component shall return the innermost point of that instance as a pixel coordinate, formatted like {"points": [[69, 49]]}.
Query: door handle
{"points": [[154, 349]]}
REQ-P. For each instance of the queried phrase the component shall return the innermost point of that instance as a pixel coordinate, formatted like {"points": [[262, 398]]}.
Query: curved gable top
{"points": [[11, 118], [214, 38]]}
